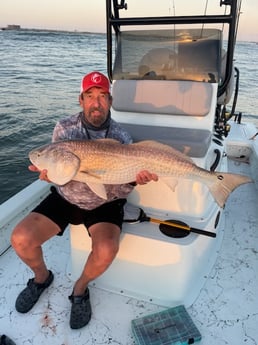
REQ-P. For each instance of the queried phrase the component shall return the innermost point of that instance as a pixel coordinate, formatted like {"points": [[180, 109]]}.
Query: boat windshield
{"points": [[170, 54]]}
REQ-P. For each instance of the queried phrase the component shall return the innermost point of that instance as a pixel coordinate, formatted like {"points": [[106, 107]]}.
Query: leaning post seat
{"points": [[179, 113]]}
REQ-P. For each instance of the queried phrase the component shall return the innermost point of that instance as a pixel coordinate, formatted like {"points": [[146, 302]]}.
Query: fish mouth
{"points": [[32, 156]]}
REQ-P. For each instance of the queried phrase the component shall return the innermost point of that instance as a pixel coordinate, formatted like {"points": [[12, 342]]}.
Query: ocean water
{"points": [[40, 75]]}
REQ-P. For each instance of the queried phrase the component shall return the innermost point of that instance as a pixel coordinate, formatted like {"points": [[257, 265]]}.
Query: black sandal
{"points": [[30, 295], [80, 311]]}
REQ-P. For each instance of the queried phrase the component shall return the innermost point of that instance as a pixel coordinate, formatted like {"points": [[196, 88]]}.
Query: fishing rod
{"points": [[168, 227]]}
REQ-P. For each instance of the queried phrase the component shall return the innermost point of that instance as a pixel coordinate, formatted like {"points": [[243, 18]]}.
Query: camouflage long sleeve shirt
{"points": [[79, 193]]}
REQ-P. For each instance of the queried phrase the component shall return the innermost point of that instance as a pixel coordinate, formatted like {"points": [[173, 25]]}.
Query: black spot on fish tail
{"points": [[225, 184]]}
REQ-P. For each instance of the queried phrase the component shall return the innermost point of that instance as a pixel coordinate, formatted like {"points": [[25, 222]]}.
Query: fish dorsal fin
{"points": [[163, 147], [149, 143], [108, 141]]}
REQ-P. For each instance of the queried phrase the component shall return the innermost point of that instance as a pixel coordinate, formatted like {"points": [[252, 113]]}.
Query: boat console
{"points": [[170, 85]]}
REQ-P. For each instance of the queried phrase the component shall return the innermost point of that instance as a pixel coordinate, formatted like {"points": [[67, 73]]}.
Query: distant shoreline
{"points": [[18, 28]]}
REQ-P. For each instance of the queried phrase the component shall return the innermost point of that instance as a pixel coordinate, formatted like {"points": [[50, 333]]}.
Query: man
{"points": [[75, 203]]}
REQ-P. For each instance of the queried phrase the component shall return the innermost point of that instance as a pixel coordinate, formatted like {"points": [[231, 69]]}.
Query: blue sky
{"points": [[86, 15]]}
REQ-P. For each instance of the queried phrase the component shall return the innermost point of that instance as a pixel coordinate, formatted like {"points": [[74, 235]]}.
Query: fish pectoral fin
{"points": [[98, 188], [170, 182]]}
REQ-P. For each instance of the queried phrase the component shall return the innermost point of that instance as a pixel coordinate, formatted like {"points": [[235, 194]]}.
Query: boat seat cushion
{"points": [[171, 97], [193, 142]]}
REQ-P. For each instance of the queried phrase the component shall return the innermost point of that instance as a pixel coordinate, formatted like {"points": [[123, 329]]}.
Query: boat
{"points": [[174, 81], [12, 27]]}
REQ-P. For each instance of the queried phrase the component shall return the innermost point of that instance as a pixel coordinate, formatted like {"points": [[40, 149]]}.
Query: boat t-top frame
{"points": [[116, 23]]}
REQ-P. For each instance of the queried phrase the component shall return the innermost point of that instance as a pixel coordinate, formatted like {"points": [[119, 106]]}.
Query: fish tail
{"points": [[225, 184]]}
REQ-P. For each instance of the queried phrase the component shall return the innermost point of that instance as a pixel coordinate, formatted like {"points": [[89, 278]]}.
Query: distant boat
{"points": [[12, 27]]}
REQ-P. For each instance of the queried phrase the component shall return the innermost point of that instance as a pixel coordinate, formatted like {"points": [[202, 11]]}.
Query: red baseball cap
{"points": [[95, 79]]}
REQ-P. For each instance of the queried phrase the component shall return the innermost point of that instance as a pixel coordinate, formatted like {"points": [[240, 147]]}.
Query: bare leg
{"points": [[105, 245], [27, 238]]}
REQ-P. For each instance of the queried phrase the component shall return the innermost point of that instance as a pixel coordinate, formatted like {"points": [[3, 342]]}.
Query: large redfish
{"points": [[106, 161]]}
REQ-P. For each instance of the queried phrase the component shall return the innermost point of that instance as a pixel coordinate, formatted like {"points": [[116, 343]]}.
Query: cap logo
{"points": [[96, 78]]}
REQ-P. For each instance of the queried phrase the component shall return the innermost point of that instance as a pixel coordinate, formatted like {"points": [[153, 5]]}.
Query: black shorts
{"points": [[61, 212]]}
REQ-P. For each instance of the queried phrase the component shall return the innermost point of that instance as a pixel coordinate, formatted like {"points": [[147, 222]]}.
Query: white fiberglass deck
{"points": [[225, 311]]}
